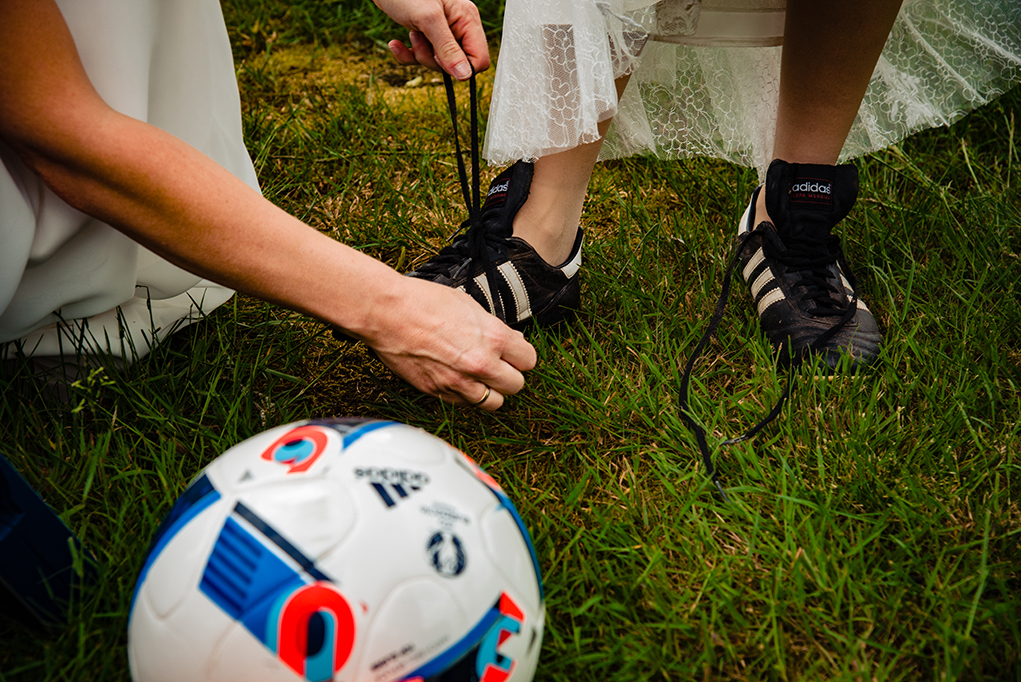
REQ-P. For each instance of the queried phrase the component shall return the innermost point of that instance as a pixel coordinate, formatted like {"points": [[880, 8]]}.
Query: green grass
{"points": [[874, 531]]}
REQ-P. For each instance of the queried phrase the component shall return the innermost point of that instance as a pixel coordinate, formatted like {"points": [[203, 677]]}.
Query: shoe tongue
{"points": [[507, 193], [807, 200]]}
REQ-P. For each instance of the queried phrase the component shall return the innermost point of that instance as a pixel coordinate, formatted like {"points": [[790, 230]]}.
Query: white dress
{"points": [[70, 283], [705, 75]]}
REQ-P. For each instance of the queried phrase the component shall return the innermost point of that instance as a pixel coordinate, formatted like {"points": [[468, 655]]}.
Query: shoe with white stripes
{"points": [[528, 290], [802, 286]]}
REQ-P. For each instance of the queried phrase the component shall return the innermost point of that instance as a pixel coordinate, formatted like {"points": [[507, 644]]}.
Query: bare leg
{"points": [[549, 218], [830, 51]]}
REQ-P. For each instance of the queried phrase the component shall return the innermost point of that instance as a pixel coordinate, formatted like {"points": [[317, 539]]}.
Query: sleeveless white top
{"points": [[71, 283], [705, 75]]}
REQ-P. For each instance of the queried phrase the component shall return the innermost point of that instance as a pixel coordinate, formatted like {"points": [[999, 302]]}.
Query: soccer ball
{"points": [[347, 550]]}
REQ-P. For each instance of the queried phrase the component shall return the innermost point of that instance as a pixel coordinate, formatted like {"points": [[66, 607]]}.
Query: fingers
{"points": [[421, 52], [484, 381], [502, 376], [472, 37], [402, 53], [476, 377], [441, 49], [519, 353], [490, 400], [445, 35], [454, 387], [492, 403], [459, 21], [485, 396]]}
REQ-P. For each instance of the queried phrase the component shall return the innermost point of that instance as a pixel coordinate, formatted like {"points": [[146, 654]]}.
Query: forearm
{"points": [[159, 190], [180, 204]]}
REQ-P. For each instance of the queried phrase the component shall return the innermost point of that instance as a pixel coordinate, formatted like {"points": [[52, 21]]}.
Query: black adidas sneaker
{"points": [[799, 280], [526, 289]]}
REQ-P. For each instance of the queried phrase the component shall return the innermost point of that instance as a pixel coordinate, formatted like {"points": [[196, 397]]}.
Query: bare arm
{"points": [[180, 204]]}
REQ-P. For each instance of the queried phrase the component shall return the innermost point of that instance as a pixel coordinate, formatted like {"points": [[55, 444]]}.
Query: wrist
{"points": [[373, 312]]}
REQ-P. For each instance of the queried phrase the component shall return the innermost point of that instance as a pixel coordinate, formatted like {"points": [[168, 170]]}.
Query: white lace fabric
{"points": [[712, 89]]}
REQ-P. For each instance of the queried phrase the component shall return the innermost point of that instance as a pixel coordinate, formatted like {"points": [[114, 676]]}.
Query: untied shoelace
{"points": [[797, 360]]}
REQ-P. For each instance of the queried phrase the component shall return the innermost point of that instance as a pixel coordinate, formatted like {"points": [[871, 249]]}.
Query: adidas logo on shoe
{"points": [[496, 188], [807, 187]]}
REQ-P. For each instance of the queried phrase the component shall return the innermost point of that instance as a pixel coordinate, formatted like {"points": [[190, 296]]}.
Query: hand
{"points": [[444, 34], [445, 344]]}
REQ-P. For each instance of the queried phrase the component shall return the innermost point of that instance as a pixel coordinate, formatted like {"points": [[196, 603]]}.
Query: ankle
{"points": [[761, 214], [552, 236]]}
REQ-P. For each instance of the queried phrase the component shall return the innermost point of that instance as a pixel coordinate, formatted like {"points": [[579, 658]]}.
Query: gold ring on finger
{"points": [[484, 398]]}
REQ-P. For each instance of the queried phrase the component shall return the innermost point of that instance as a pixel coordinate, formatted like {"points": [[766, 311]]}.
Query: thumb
{"points": [[451, 57], [446, 50]]}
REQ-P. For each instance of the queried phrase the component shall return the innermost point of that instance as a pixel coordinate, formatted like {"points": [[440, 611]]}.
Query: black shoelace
{"points": [[811, 257], [814, 255], [476, 242], [474, 245]]}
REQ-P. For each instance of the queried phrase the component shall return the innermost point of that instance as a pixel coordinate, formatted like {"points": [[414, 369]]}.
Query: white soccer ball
{"points": [[345, 550]]}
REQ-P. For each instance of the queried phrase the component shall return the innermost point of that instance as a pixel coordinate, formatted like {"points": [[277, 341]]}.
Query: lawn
{"points": [[873, 532]]}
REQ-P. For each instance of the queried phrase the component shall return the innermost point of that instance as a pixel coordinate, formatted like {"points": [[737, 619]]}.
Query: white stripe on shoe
{"points": [[753, 263], [482, 283], [850, 292], [570, 268], [743, 225], [761, 281], [517, 287], [774, 296]]}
